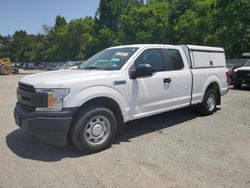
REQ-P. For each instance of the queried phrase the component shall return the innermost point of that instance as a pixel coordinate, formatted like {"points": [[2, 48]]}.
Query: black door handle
{"points": [[167, 80]]}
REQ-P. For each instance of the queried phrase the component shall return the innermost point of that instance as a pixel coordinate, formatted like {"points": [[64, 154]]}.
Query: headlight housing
{"points": [[55, 99]]}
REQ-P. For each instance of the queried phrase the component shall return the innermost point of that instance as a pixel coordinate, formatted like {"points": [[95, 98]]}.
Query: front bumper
{"points": [[241, 81], [50, 127]]}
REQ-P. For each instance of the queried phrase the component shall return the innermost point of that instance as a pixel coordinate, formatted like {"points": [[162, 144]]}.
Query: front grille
{"points": [[30, 108], [243, 74], [25, 93], [29, 99], [26, 87]]}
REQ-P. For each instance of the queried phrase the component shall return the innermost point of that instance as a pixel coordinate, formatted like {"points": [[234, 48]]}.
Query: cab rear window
{"points": [[176, 59]]}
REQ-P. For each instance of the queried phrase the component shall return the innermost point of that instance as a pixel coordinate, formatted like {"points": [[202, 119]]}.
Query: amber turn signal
{"points": [[50, 100]]}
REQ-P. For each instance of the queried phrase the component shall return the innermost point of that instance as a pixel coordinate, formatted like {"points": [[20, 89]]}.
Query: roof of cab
{"points": [[191, 47], [142, 45]]}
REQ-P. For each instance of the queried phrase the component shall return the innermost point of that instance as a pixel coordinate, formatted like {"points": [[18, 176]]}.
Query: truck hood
{"points": [[57, 79], [242, 68]]}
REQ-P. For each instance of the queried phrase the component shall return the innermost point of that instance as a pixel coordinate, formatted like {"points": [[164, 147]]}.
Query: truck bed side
{"points": [[208, 66]]}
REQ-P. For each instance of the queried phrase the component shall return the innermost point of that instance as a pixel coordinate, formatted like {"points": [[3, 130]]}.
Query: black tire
{"points": [[237, 86], [80, 127], [204, 107], [5, 69]]}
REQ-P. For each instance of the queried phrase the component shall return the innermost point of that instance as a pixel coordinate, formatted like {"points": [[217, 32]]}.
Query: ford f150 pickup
{"points": [[89, 104]]}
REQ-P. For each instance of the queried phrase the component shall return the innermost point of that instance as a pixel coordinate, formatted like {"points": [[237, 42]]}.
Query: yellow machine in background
{"points": [[6, 68]]}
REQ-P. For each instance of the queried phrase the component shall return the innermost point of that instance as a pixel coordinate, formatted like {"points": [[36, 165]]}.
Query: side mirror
{"points": [[142, 70]]}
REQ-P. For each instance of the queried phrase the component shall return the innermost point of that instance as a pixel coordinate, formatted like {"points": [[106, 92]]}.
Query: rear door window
{"points": [[176, 60]]}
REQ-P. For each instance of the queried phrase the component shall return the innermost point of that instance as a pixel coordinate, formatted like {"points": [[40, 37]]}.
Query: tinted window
{"points": [[176, 59], [153, 57]]}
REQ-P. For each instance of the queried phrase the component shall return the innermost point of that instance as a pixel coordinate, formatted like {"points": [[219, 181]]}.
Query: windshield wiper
{"points": [[91, 68]]}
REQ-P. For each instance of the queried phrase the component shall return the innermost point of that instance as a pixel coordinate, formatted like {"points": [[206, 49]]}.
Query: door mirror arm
{"points": [[132, 74]]}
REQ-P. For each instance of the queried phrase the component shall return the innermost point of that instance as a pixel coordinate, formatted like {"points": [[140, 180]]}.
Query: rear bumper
{"points": [[224, 91], [50, 127]]}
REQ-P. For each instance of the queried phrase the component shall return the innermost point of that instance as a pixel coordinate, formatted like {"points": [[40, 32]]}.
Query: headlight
{"points": [[55, 99]]}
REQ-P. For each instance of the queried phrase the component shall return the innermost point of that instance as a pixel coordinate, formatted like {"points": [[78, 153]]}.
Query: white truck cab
{"points": [[89, 104]]}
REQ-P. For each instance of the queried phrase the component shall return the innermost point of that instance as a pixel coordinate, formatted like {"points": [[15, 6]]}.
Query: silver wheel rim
{"points": [[211, 101], [97, 130]]}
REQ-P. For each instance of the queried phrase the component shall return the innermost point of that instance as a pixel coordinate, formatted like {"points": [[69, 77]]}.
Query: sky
{"points": [[30, 15]]}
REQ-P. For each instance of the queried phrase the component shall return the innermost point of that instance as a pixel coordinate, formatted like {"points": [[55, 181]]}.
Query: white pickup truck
{"points": [[89, 104]]}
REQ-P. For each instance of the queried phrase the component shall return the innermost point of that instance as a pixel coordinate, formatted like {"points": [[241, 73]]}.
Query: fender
{"points": [[198, 94], [78, 99], [212, 78]]}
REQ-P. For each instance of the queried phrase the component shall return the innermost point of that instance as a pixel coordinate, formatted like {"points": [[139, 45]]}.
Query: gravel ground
{"points": [[174, 149]]}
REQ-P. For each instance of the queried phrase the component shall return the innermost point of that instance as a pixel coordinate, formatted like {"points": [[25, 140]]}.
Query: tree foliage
{"points": [[231, 26], [204, 22], [146, 24]]}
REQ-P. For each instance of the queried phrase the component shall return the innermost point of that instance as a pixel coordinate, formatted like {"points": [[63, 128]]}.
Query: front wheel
{"points": [[94, 129], [208, 105]]}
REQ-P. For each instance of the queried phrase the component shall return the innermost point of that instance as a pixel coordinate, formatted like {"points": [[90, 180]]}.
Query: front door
{"points": [[151, 95]]}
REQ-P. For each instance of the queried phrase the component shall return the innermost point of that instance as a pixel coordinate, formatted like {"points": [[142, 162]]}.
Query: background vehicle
{"points": [[28, 66], [17, 65], [49, 68], [41, 67], [70, 64], [241, 75], [236, 63], [233, 64], [118, 85], [6, 68], [38, 66]]}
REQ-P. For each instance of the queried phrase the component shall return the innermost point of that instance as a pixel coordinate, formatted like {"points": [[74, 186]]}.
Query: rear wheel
{"points": [[208, 105], [94, 129]]}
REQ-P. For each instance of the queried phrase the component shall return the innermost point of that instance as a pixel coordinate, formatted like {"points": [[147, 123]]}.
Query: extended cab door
{"points": [[181, 78], [151, 95]]}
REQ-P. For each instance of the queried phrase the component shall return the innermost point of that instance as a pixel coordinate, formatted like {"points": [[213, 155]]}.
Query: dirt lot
{"points": [[175, 149]]}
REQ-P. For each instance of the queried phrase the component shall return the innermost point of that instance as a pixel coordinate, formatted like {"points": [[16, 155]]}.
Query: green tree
{"points": [[194, 26], [5, 44], [204, 22], [109, 11], [231, 27], [146, 24], [176, 9], [60, 22], [19, 46]]}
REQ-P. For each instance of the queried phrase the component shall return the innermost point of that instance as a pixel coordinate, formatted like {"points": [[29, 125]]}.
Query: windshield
{"points": [[110, 59]]}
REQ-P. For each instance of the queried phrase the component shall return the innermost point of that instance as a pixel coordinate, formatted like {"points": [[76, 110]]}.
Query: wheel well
{"points": [[108, 103], [215, 86]]}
